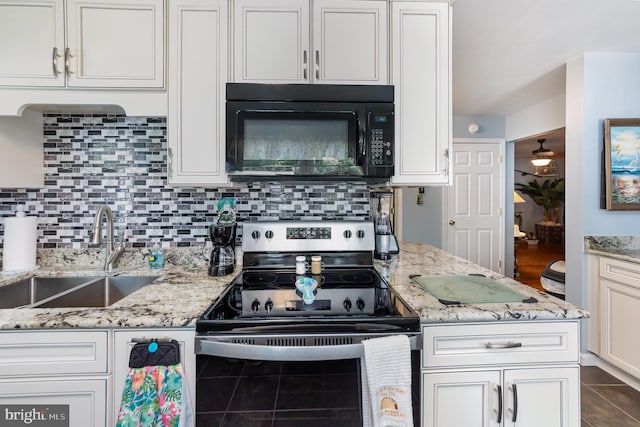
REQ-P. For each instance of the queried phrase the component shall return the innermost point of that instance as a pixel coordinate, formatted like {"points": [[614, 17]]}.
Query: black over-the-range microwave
{"points": [[306, 131]]}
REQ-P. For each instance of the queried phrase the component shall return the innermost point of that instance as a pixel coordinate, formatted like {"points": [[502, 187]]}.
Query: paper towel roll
{"points": [[20, 240]]}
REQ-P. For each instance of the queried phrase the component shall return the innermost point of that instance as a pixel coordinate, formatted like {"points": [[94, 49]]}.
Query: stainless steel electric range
{"points": [[273, 353], [263, 315]]}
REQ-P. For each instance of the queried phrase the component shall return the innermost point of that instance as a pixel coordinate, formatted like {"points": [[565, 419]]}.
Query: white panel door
{"points": [[541, 397], [271, 41], [349, 42], [456, 399], [31, 42], [474, 204], [197, 77], [115, 44], [421, 76]]}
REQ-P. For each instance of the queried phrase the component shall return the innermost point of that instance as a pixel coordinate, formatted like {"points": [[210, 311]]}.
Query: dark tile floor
{"points": [[607, 401], [274, 394], [233, 393]]}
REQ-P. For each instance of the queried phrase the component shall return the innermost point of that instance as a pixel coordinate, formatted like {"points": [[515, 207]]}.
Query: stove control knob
{"points": [[360, 304], [347, 234], [360, 234], [347, 304], [268, 306], [255, 234], [255, 305], [268, 234]]}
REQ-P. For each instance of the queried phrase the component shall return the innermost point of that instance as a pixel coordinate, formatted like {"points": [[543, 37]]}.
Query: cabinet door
{"points": [[271, 41], [547, 397], [619, 311], [86, 400], [122, 345], [349, 42], [455, 399], [115, 44], [421, 74], [31, 42], [197, 77]]}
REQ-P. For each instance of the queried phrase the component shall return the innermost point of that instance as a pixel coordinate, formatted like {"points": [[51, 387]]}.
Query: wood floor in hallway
{"points": [[532, 260]]}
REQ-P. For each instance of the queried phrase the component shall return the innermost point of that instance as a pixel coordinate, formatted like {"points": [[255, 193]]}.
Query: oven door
{"points": [[311, 379]]}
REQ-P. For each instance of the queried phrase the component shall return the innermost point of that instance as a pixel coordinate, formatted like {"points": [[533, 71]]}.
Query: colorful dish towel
{"points": [[155, 393], [386, 382], [155, 396]]}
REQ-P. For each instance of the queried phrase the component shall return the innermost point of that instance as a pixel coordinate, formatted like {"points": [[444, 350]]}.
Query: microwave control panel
{"points": [[380, 137]]}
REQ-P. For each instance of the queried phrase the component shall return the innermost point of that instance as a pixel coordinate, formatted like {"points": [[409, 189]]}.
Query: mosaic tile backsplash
{"points": [[91, 160]]}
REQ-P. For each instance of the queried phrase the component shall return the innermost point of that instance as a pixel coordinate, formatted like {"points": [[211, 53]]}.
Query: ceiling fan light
{"points": [[540, 162], [542, 152]]}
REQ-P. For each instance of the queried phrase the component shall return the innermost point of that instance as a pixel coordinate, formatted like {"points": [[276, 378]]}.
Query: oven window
{"points": [[299, 143], [237, 392]]}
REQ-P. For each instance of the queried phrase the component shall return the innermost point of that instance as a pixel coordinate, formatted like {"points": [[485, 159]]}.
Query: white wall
{"points": [[540, 118]]}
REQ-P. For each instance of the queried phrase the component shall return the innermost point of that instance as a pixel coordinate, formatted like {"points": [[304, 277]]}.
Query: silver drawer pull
{"points": [[508, 344]]}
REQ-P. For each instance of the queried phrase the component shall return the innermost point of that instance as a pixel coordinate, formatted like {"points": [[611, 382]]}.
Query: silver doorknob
{"points": [[452, 222]]}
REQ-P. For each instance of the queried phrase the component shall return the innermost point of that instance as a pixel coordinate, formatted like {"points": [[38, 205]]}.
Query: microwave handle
{"points": [[362, 142]]}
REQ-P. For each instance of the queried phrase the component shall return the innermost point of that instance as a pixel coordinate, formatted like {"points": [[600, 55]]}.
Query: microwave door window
{"points": [[300, 145]]}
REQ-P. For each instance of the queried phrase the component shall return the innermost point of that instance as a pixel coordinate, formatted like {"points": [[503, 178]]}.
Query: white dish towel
{"points": [[386, 382]]}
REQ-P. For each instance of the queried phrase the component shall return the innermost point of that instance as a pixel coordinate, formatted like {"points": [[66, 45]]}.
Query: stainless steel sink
{"points": [[99, 293], [60, 292], [30, 291]]}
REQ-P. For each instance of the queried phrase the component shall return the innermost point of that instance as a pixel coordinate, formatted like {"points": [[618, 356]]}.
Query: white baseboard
{"points": [[590, 359]]}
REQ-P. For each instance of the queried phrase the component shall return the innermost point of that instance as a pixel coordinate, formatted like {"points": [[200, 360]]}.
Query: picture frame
{"points": [[621, 159]]}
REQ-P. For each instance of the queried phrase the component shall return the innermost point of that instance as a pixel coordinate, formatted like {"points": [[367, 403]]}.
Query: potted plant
{"points": [[549, 195]]}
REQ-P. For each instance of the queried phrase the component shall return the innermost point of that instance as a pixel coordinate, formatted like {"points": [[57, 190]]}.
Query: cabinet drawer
{"points": [[24, 353], [500, 343], [620, 271]]}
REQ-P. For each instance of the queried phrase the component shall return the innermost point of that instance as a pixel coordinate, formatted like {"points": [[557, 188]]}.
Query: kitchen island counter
{"points": [[421, 259], [184, 290]]}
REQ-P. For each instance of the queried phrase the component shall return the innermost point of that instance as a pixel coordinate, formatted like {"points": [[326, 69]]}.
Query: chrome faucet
{"points": [[112, 254]]}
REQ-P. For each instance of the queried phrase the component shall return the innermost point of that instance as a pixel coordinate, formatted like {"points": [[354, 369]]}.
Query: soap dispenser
{"points": [[156, 257]]}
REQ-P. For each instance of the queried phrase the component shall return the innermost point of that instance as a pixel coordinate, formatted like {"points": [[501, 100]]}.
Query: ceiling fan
{"points": [[542, 155]]}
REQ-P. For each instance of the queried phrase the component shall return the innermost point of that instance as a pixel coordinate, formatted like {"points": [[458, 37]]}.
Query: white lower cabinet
{"points": [[618, 309], [501, 374], [56, 368], [84, 369]]}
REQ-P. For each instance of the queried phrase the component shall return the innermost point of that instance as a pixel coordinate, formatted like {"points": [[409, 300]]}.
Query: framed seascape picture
{"points": [[622, 164]]}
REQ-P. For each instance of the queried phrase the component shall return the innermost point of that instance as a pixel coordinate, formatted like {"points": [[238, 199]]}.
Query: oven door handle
{"points": [[277, 353], [215, 347]]}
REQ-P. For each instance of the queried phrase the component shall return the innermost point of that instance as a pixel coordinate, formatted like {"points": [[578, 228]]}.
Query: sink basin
{"points": [[30, 291], [101, 292]]}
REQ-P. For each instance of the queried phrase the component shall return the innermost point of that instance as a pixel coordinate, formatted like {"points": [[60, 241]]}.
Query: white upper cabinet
{"points": [[421, 56], [287, 41], [115, 44], [31, 42], [197, 77], [82, 43]]}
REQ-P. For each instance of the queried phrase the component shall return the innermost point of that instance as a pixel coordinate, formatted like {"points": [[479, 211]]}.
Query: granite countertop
{"points": [[626, 248], [184, 290], [416, 258]]}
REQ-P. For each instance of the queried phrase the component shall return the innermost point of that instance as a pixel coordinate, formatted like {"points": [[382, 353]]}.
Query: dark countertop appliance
{"points": [[309, 132]]}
